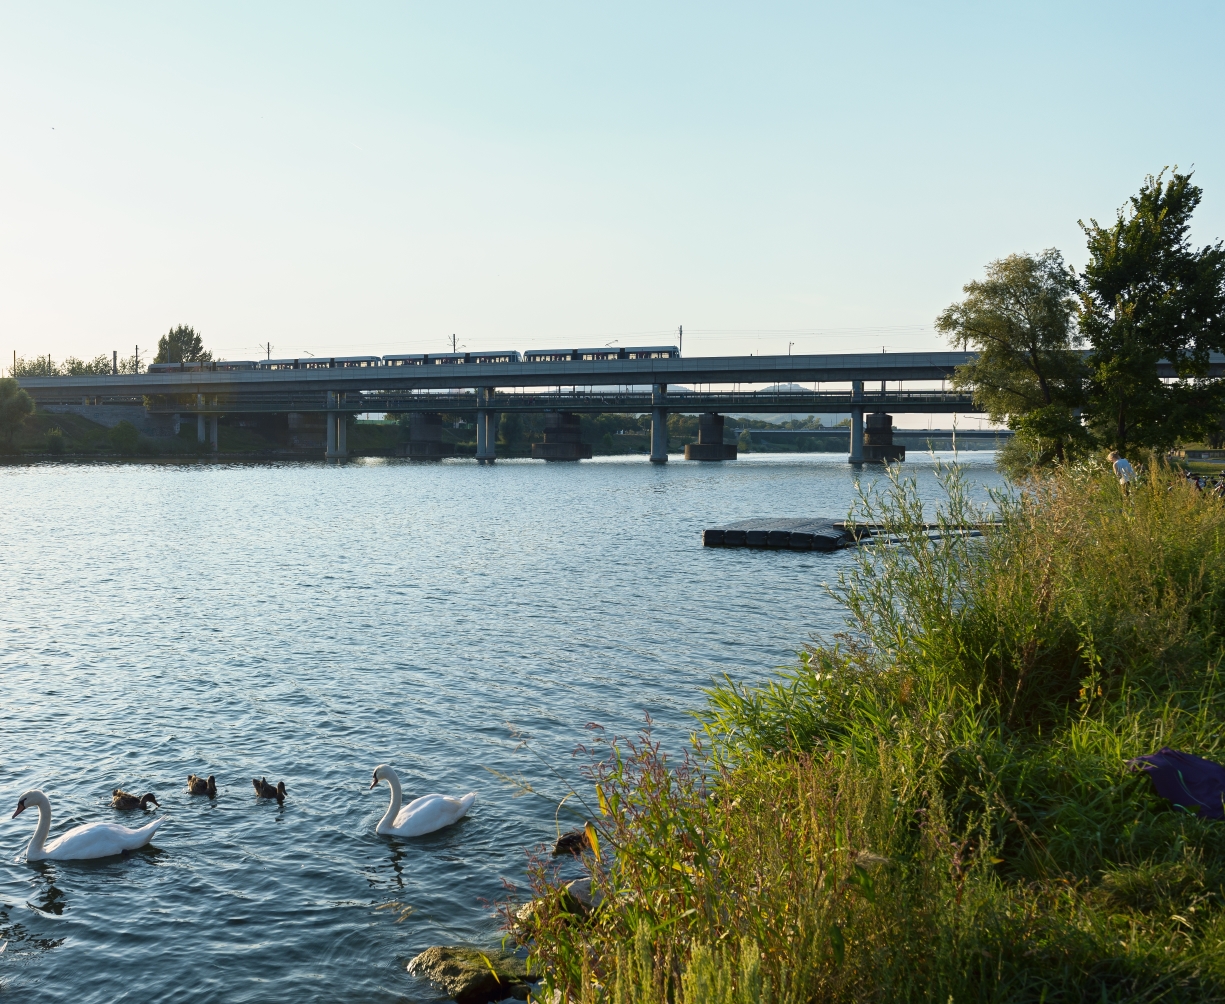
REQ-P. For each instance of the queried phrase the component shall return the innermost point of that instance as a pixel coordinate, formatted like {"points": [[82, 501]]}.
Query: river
{"points": [[307, 622]]}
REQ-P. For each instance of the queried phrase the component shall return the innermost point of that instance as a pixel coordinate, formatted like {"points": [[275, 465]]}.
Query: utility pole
{"points": [[267, 348], [114, 362], [136, 367], [680, 334], [453, 349]]}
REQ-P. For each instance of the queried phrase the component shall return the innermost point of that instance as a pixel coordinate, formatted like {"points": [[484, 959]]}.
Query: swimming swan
{"points": [[422, 815], [91, 840]]}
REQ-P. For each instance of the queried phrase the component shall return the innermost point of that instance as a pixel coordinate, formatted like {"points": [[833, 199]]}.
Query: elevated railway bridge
{"points": [[560, 385]]}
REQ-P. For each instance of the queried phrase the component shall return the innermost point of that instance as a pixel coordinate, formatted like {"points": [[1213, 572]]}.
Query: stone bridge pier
{"points": [[710, 445], [563, 438]]}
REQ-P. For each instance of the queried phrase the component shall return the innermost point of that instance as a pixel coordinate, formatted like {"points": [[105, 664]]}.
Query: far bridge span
{"points": [[710, 386]]}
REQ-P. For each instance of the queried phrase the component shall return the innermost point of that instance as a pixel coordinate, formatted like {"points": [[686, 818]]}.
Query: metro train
{"points": [[429, 359]]}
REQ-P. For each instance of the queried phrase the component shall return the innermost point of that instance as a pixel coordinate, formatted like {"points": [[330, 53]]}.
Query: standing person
{"points": [[1122, 468]]}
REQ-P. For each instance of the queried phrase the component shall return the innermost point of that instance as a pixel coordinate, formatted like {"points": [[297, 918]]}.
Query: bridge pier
{"points": [[856, 456], [710, 445], [199, 419], [486, 428], [659, 424], [425, 437], [563, 438], [878, 440], [337, 429], [213, 432]]}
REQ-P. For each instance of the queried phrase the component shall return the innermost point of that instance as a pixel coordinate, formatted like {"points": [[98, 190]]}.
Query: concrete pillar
{"points": [[856, 456], [659, 424], [342, 434], [199, 419], [486, 428], [491, 436], [213, 432], [331, 426], [710, 445], [178, 423]]}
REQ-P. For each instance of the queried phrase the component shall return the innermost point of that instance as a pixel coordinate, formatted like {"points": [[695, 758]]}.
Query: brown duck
{"points": [[264, 790], [202, 786], [121, 799], [572, 842]]}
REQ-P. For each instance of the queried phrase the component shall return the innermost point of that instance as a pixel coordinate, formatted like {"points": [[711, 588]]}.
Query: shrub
{"points": [[55, 441], [125, 438]]}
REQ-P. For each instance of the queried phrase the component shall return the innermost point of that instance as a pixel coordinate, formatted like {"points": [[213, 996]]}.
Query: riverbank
{"points": [[937, 804]]}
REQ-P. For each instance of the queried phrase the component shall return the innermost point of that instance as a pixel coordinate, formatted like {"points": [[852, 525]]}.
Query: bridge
{"points": [[707, 385]]}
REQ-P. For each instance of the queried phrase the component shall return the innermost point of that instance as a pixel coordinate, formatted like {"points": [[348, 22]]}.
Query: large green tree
{"points": [[15, 405], [1146, 295], [182, 344], [1020, 320]]}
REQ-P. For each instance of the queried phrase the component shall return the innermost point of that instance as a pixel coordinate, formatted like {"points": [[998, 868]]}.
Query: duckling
{"points": [[572, 842], [264, 790], [121, 799], [202, 786]]}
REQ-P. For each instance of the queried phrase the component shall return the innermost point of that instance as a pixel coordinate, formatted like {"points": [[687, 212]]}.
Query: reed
{"points": [[935, 804]]}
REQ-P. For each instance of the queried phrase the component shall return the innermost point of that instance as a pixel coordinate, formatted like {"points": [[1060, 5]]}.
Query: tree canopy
{"points": [[1147, 295], [1028, 372], [182, 344]]}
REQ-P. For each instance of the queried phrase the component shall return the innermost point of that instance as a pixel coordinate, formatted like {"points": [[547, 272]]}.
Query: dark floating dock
{"points": [[781, 534], [821, 534]]}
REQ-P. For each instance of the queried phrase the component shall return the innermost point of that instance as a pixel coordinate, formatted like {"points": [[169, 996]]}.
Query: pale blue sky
{"points": [[372, 178]]}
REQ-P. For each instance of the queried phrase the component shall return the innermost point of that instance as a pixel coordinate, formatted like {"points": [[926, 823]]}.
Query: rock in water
{"points": [[472, 976]]}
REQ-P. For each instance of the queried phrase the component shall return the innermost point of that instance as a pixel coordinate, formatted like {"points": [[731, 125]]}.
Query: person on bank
{"points": [[1122, 468]]}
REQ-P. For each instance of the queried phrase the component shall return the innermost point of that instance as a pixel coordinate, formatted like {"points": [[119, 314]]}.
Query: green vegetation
{"points": [[1145, 295], [936, 805], [182, 344], [1020, 322], [15, 405]]}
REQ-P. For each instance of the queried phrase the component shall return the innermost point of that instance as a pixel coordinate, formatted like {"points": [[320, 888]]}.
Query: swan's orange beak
{"points": [[21, 807]]}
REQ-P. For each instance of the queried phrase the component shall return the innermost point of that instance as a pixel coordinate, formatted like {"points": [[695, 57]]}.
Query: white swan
{"points": [[422, 815], [91, 840]]}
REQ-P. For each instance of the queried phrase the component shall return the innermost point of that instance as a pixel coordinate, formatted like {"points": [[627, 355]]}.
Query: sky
{"points": [[374, 178]]}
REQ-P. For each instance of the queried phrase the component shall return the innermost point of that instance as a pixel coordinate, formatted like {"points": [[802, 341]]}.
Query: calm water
{"points": [[309, 622]]}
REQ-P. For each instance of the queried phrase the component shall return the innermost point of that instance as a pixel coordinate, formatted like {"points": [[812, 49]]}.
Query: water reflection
{"points": [[51, 897]]}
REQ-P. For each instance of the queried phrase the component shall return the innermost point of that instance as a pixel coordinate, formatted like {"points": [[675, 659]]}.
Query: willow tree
{"points": [[1147, 295], [1029, 372]]}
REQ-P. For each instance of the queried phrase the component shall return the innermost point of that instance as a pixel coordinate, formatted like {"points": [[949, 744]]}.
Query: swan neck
{"points": [[42, 829], [397, 795]]}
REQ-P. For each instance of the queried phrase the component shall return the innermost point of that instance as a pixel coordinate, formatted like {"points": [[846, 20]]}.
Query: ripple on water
{"points": [[308, 622]]}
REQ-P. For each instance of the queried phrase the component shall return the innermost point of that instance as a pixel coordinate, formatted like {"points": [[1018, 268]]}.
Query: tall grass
{"points": [[935, 805]]}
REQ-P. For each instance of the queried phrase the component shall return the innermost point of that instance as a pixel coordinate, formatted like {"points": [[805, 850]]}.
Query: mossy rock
{"points": [[471, 976]]}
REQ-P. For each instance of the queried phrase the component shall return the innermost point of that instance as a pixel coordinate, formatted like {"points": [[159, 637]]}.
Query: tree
{"points": [[98, 366], [15, 406], [182, 345], [1028, 372], [1147, 295]]}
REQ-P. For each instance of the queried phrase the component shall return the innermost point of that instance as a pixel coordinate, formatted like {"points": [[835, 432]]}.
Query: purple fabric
{"points": [[1196, 784]]}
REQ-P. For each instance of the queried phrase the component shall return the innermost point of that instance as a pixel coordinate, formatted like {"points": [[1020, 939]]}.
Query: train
{"points": [[429, 359]]}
